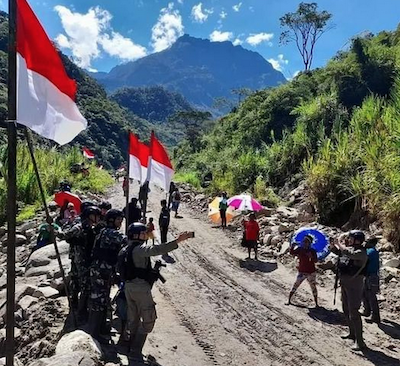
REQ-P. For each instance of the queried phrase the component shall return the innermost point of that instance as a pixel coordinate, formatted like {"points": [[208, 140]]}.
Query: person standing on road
{"points": [[103, 269], [251, 235], [171, 190], [139, 277], [371, 283], [125, 185], [223, 207], [176, 200], [307, 259], [352, 261], [163, 221], [135, 214]]}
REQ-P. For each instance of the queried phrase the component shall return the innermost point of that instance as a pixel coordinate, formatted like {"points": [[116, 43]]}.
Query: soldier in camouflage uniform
{"points": [[81, 238], [102, 270]]}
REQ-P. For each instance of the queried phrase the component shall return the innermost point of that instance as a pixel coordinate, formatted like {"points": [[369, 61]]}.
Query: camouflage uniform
{"points": [[73, 286], [81, 238], [102, 270]]}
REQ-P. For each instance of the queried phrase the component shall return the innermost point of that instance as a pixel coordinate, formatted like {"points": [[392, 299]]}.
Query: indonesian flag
{"points": [[45, 93], [138, 159], [161, 170], [87, 153]]}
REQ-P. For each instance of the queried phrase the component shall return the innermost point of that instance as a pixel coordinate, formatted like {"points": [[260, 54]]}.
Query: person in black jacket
{"points": [[163, 221], [135, 214]]}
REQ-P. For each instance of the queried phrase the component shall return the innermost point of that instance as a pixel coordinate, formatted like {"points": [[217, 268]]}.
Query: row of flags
{"points": [[46, 101], [149, 163]]}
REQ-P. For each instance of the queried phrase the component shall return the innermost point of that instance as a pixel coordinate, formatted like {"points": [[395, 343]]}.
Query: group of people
{"points": [[358, 272], [102, 256]]}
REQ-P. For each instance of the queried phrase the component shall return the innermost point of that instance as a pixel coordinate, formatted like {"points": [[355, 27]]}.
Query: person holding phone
{"points": [[137, 272]]}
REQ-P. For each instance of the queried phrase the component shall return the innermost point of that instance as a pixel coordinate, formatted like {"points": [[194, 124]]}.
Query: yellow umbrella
{"points": [[213, 211]]}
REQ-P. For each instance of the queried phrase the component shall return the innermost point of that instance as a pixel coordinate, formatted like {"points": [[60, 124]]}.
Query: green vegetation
{"points": [[54, 166], [337, 127]]}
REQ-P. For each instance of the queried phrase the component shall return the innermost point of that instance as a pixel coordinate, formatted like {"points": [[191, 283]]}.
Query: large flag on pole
{"points": [[161, 170], [45, 93], [138, 159], [87, 153]]}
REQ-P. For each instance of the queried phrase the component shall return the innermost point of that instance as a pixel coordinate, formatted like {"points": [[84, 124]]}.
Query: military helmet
{"points": [[357, 235], [86, 204], [91, 210], [105, 205], [135, 229], [113, 214]]}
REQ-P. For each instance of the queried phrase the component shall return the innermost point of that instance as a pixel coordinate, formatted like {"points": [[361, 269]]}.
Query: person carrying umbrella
{"points": [[307, 259], [251, 235], [223, 207]]}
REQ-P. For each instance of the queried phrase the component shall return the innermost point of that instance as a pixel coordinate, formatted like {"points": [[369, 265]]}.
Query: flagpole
{"points": [[50, 222], [128, 164], [11, 180]]}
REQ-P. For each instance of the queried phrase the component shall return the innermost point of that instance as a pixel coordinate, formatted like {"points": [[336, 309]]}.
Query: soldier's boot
{"points": [[94, 325], [136, 347], [358, 332], [105, 328]]}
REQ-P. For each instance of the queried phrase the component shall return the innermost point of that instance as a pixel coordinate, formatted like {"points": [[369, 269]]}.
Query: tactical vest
{"points": [[348, 267], [127, 269], [107, 255]]}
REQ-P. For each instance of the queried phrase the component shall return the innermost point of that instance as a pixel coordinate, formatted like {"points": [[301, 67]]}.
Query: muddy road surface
{"points": [[217, 308]]}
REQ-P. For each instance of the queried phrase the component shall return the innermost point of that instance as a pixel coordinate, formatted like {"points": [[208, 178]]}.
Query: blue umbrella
{"points": [[320, 243]]}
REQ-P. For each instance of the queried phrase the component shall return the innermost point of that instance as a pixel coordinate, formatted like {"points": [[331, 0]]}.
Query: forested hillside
{"points": [[337, 127]]}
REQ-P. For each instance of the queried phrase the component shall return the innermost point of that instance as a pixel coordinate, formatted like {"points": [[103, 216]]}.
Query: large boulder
{"points": [[44, 261], [79, 341], [72, 359], [393, 263]]}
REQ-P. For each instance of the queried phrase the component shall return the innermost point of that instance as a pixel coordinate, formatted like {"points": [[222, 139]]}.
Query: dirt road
{"points": [[219, 309]]}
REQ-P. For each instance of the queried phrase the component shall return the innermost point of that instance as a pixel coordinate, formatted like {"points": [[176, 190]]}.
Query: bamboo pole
{"points": [[11, 180]]}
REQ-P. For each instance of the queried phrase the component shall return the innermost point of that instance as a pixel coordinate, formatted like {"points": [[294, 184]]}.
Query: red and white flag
{"points": [[45, 93], [87, 153], [161, 170], [138, 159]]}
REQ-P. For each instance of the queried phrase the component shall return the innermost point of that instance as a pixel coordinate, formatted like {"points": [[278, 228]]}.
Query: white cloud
{"points": [[87, 35], [180, 1], [121, 47], [256, 39], [223, 14], [199, 15], [237, 42], [218, 36], [237, 7], [168, 28], [279, 63]]}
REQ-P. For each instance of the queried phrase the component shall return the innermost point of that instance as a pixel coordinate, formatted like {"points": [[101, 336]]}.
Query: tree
{"points": [[305, 27]]}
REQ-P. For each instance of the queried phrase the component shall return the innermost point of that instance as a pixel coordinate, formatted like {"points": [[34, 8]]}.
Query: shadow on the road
{"points": [[253, 265], [334, 317], [391, 328], [379, 358]]}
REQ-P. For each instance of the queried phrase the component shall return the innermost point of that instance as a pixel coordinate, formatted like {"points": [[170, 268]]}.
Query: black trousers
{"points": [[163, 233]]}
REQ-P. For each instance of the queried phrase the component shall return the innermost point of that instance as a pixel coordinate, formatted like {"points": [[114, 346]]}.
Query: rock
{"points": [[392, 271], [285, 228], [29, 225], [265, 211], [285, 248], [276, 240], [17, 362], [267, 239], [306, 207], [288, 213], [47, 292], [393, 263], [200, 197], [19, 240], [30, 233], [57, 284], [79, 341], [43, 261], [3, 231], [71, 359], [23, 290], [385, 246], [26, 302]]}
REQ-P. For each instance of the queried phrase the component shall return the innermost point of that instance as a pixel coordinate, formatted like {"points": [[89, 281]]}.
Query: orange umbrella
{"points": [[213, 211]]}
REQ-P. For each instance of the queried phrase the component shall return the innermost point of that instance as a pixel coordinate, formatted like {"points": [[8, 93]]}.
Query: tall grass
{"points": [[54, 166]]}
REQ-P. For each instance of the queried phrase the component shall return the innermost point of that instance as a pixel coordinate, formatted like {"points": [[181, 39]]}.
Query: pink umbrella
{"points": [[244, 202]]}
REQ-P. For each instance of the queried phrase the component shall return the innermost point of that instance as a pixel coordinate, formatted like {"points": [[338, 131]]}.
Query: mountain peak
{"points": [[199, 69]]}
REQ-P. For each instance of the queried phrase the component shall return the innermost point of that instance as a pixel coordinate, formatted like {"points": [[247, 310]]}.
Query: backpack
{"points": [[177, 196]]}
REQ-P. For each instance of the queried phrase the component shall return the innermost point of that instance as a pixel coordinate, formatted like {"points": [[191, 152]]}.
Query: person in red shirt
{"points": [[251, 234], [307, 259]]}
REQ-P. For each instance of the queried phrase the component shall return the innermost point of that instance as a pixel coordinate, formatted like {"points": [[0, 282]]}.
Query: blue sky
{"points": [[100, 34]]}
